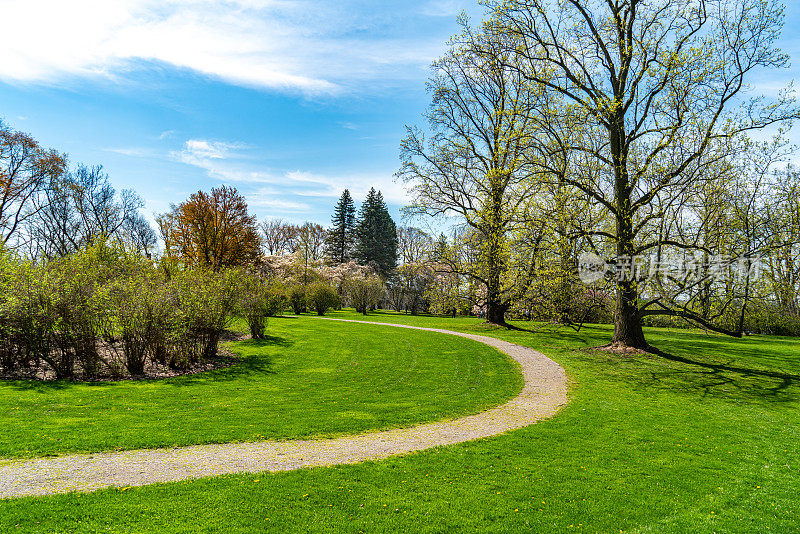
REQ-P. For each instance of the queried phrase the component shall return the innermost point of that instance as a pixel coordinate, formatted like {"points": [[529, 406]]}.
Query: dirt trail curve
{"points": [[543, 395]]}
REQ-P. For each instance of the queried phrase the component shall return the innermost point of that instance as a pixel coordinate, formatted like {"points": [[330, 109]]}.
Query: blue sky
{"points": [[290, 101]]}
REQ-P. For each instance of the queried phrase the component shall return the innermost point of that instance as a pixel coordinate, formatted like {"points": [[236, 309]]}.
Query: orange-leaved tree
{"points": [[212, 229]]}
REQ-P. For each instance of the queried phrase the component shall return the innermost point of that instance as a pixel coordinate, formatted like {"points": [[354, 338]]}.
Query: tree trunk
{"points": [[495, 309], [627, 321], [496, 312]]}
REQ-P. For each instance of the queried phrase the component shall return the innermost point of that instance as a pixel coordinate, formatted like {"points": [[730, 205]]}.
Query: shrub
{"points": [[206, 301], [322, 297], [26, 315], [142, 307], [104, 306], [257, 302], [297, 299], [365, 293], [79, 311]]}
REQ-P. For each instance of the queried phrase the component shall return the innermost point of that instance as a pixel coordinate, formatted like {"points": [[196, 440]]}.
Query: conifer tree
{"points": [[440, 248], [342, 235], [376, 235]]}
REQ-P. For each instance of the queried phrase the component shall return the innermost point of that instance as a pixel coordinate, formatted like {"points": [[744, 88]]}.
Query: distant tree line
{"points": [[367, 237]]}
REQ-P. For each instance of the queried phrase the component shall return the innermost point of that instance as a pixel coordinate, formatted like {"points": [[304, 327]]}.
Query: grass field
{"points": [[703, 439], [310, 378]]}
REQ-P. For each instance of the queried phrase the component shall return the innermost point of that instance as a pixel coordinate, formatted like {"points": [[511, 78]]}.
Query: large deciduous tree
{"points": [[666, 84], [414, 245], [475, 162], [783, 217], [77, 208], [212, 229], [279, 236], [26, 170]]}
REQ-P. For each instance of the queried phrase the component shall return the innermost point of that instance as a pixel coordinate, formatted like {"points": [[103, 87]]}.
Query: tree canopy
{"points": [[376, 235], [212, 229], [342, 234]]}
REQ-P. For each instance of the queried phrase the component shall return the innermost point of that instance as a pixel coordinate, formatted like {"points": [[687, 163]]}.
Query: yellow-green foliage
{"points": [[106, 308], [365, 293], [322, 297]]}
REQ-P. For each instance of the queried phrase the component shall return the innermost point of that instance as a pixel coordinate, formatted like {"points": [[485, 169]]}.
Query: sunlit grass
{"points": [[647, 444], [310, 378]]}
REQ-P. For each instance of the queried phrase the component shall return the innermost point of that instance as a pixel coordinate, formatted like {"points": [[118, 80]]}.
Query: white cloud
{"points": [[300, 45], [283, 191], [130, 151], [201, 148], [213, 156], [262, 199]]}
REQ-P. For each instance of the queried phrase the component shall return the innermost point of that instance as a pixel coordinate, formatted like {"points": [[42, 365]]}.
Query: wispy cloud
{"points": [[229, 162], [218, 158], [311, 46], [267, 199], [202, 148], [130, 151]]}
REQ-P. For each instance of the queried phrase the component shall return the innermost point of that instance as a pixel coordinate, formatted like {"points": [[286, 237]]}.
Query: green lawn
{"points": [[310, 378], [647, 444]]}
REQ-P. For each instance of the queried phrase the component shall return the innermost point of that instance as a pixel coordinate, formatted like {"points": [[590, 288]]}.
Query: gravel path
{"points": [[543, 395]]}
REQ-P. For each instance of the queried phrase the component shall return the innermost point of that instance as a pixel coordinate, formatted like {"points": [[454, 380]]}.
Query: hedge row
{"points": [[106, 308]]}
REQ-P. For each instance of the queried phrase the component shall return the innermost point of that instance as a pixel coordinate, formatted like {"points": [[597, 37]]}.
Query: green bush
{"points": [[142, 306], [206, 301], [26, 316], [297, 299], [322, 297], [79, 311], [105, 309], [365, 293], [257, 302]]}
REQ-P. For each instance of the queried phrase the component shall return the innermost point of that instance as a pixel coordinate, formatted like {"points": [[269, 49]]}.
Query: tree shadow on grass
{"points": [[749, 381], [789, 378], [661, 371], [44, 386], [268, 341], [248, 366], [727, 385], [557, 337]]}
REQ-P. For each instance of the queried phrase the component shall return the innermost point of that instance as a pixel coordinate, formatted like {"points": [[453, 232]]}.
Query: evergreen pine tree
{"points": [[342, 235], [376, 235], [440, 248]]}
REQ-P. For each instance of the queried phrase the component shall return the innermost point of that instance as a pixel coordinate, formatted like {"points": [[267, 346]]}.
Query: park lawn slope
{"points": [[310, 378], [646, 444]]}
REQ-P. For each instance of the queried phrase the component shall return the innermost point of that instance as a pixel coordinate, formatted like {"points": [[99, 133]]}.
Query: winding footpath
{"points": [[543, 395]]}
